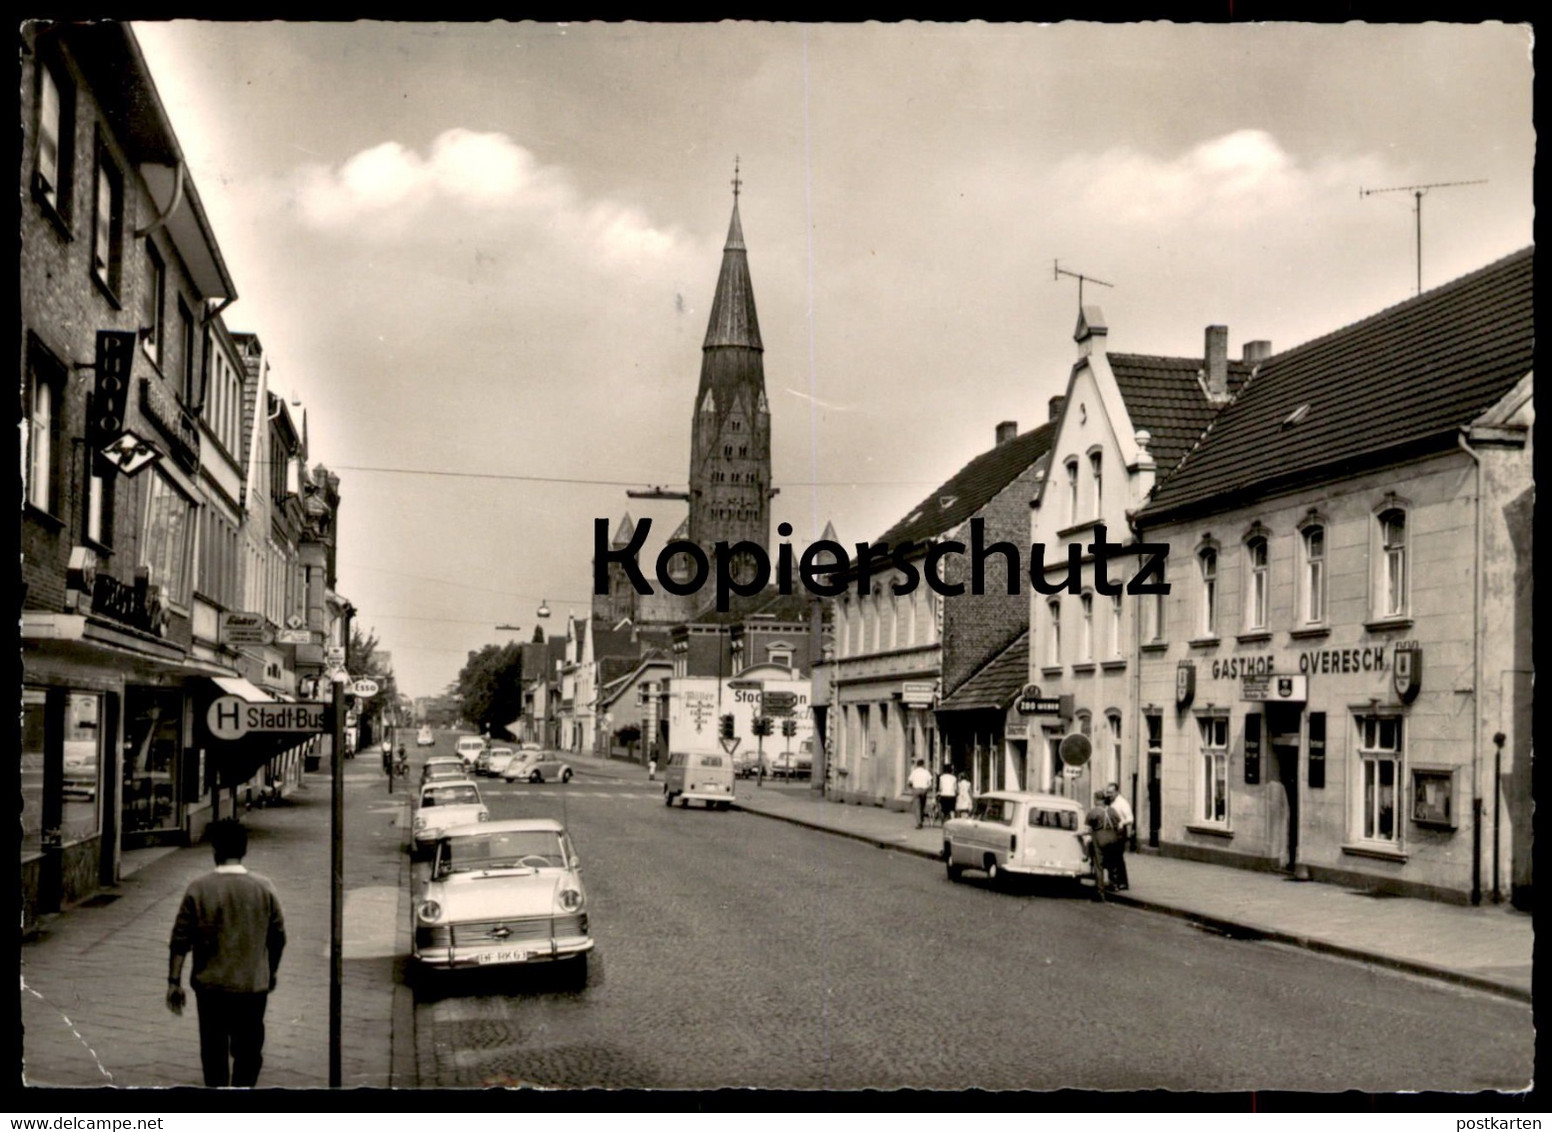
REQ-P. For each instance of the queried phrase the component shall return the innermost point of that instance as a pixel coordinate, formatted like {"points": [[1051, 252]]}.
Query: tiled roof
{"points": [[972, 487], [997, 683], [1399, 382], [611, 668], [613, 642], [1164, 396], [768, 604]]}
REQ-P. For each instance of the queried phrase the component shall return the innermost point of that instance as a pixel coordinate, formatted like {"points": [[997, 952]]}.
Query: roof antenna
{"points": [[1060, 271], [1417, 192]]}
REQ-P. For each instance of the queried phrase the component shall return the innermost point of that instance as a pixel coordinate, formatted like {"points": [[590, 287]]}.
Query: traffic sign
{"points": [[729, 745], [1075, 749], [779, 703], [232, 717], [334, 656], [296, 621], [364, 687]]}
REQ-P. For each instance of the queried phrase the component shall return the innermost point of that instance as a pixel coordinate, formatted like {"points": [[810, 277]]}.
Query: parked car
{"points": [[425, 738], [1016, 833], [468, 748], [699, 777], [443, 805], [500, 758], [791, 764], [504, 893], [442, 766], [537, 766]]}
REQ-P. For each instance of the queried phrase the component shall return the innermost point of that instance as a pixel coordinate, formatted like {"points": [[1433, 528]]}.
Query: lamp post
{"points": [[337, 858]]}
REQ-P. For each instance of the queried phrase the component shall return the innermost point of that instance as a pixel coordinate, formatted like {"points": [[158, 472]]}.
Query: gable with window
{"points": [[1097, 473], [1072, 490]]}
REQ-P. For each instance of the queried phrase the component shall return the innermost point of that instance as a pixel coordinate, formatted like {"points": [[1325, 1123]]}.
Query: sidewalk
{"points": [[1488, 948], [94, 979]]}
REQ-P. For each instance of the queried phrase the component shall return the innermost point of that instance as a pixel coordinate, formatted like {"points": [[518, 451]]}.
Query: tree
{"points": [[491, 687], [366, 660], [538, 637]]}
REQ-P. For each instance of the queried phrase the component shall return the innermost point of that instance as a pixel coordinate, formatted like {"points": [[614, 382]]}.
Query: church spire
{"points": [[733, 320]]}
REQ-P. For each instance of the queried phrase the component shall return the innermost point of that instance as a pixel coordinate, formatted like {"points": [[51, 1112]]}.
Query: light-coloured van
{"points": [[469, 748], [699, 777]]}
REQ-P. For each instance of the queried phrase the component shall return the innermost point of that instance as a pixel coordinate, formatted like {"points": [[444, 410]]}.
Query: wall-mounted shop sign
{"points": [[1369, 658], [138, 606], [298, 637], [163, 410], [110, 393], [1185, 683], [242, 628], [1276, 689], [1407, 674], [1031, 702], [918, 693], [778, 703]]}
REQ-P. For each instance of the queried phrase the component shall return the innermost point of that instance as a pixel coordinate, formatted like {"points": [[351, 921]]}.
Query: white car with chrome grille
{"points": [[445, 803], [503, 893]]}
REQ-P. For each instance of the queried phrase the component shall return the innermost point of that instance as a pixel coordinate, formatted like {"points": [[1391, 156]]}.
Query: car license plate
{"points": [[505, 955]]}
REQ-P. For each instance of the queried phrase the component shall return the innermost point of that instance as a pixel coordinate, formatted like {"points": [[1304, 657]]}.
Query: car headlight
{"points": [[484, 815], [420, 822], [570, 899], [431, 911]]}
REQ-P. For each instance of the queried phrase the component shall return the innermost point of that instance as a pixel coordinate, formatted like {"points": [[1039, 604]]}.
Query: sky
{"points": [[481, 256]]}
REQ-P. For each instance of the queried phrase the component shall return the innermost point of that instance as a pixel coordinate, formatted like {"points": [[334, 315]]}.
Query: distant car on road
{"points": [[503, 893], [537, 766], [468, 749], [425, 738], [699, 777], [500, 758], [442, 766], [443, 805]]}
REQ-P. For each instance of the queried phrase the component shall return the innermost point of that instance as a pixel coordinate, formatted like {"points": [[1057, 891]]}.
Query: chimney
{"points": [[1257, 351], [1091, 331], [1006, 431], [1056, 405], [1215, 363]]}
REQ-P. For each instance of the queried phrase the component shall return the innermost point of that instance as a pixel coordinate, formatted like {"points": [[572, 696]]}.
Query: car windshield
{"points": [[459, 794], [533, 848]]}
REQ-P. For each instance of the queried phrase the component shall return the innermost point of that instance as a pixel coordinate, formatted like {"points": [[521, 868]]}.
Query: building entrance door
{"points": [[1283, 727], [1018, 754]]}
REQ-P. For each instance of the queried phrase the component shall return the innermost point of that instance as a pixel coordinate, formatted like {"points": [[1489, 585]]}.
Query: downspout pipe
{"points": [[1476, 677]]}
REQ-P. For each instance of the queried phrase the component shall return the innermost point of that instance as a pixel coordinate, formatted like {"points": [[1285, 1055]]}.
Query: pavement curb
{"points": [[1215, 923], [404, 1062]]}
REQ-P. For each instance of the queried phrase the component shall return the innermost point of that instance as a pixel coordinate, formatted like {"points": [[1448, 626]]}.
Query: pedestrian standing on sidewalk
{"points": [[1105, 829], [962, 798], [651, 768], [920, 782], [1123, 812], [948, 790], [231, 920]]}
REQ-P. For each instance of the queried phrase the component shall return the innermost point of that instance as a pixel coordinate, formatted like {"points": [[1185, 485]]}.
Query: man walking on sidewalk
{"points": [[920, 782], [231, 920]]}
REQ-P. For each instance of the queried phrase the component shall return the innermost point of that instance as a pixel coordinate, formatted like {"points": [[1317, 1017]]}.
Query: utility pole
{"points": [[1417, 192], [1060, 271]]}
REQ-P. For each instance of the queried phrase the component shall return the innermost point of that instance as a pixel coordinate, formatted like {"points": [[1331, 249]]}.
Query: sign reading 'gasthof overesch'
{"points": [[231, 718]]}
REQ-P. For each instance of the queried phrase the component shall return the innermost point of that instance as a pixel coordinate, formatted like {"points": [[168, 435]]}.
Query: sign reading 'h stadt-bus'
{"points": [[231, 717]]}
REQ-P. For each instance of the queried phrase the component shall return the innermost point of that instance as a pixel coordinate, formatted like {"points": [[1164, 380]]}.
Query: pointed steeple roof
{"points": [[733, 321], [624, 532]]}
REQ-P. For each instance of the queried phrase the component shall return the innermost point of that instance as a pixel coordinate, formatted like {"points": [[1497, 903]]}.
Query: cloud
{"points": [[1238, 178], [483, 182]]}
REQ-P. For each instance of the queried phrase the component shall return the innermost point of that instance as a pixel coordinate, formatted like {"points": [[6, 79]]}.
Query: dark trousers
{"points": [[231, 1024], [921, 808], [1114, 858], [946, 806]]}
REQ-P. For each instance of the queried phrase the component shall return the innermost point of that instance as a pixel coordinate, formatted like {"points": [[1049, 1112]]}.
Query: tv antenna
{"points": [[1418, 192], [1060, 271]]}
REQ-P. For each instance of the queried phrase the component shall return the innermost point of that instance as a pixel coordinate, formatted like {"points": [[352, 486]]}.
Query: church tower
{"points": [[730, 435]]}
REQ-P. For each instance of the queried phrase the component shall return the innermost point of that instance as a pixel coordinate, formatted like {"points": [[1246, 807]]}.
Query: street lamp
{"points": [[544, 608]]}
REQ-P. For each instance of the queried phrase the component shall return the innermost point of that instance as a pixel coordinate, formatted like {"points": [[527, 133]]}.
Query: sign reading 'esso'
{"points": [[364, 688], [231, 717]]}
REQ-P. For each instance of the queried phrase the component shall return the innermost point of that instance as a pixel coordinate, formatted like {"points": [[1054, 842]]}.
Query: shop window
{"points": [[152, 739], [1312, 575], [1213, 771], [169, 521], [34, 701], [1379, 761], [1393, 580], [1258, 583], [81, 816]]}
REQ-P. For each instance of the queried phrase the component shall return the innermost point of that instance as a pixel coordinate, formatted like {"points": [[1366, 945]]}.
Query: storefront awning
{"points": [[241, 688]]}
